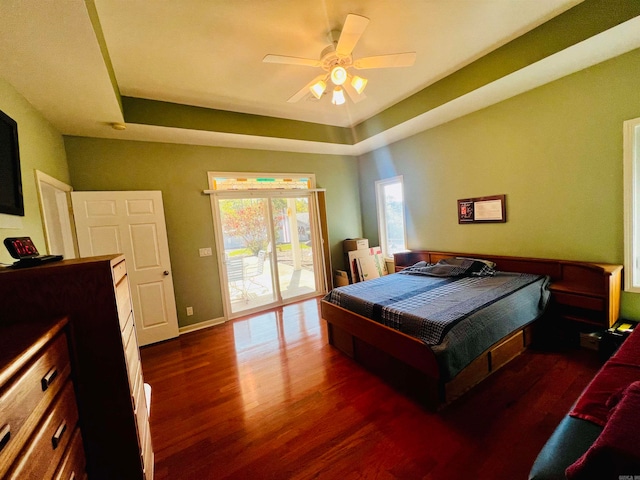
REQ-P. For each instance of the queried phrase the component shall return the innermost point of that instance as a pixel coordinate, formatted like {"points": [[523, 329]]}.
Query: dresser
{"points": [[94, 294], [39, 432]]}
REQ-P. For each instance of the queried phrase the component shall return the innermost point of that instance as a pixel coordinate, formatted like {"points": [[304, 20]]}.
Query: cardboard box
{"points": [[351, 244], [340, 278]]}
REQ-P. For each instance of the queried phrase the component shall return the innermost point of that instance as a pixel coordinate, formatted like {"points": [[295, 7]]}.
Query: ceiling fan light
{"points": [[338, 96], [318, 88], [338, 75], [358, 83]]}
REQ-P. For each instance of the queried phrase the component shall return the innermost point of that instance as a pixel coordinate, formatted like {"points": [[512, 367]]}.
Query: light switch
{"points": [[205, 252]]}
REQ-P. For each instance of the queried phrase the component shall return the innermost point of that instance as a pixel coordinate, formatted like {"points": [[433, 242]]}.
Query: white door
{"points": [[133, 223]]}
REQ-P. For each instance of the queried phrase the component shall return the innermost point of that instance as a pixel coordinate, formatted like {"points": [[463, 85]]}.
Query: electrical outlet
{"points": [[205, 252], [189, 311]]}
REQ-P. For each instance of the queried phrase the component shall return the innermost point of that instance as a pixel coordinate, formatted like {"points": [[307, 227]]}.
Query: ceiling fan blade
{"points": [[353, 29], [300, 94], [386, 61], [352, 93], [307, 62]]}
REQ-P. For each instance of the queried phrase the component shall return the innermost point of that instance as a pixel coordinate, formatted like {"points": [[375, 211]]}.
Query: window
{"points": [[391, 225], [632, 205]]}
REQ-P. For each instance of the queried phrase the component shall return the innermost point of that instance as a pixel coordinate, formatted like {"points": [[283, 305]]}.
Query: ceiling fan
{"points": [[336, 60]]}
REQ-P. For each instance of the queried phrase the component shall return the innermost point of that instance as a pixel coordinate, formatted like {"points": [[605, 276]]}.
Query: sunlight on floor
{"points": [[267, 349]]}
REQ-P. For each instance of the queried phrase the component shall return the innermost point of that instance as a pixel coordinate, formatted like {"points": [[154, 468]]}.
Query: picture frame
{"points": [[489, 209]]}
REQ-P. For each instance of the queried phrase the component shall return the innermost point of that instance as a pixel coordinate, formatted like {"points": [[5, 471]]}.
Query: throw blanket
{"points": [[616, 452], [427, 307]]}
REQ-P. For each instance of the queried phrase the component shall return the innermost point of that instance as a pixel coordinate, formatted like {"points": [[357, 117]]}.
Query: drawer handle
{"points": [[49, 378], [57, 437], [5, 436]]}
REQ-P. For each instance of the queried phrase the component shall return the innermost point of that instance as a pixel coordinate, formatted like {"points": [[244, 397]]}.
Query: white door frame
{"points": [[57, 218], [268, 194]]}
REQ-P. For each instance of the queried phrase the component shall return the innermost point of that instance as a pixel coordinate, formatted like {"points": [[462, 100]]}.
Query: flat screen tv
{"points": [[10, 180]]}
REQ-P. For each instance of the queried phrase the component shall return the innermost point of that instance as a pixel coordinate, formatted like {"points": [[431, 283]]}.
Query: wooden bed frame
{"points": [[587, 293]]}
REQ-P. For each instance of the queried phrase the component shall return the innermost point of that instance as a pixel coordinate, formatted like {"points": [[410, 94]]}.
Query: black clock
{"points": [[20, 247]]}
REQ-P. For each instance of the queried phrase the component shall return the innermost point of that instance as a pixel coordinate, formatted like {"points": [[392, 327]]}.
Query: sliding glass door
{"points": [[247, 247], [270, 240], [294, 253]]}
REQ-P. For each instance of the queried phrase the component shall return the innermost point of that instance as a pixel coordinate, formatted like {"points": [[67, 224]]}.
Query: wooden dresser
{"points": [[39, 433], [94, 294]]}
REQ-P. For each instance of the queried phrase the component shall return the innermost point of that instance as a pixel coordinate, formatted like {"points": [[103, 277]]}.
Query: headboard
{"points": [[588, 293]]}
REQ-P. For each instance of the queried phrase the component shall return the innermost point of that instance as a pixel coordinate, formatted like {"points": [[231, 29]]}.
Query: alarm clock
{"points": [[21, 247]]}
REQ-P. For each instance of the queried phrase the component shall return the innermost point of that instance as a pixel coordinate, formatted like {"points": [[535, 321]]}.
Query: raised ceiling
{"points": [[88, 64]]}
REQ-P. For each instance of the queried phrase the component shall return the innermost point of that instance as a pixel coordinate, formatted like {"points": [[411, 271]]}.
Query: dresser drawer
{"points": [[73, 465], [123, 297], [140, 409], [580, 301], [119, 271], [43, 454], [142, 422], [132, 357], [147, 457], [27, 397], [126, 332]]}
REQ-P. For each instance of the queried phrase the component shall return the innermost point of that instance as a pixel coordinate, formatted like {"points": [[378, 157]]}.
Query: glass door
{"points": [[247, 245], [269, 241], [294, 254]]}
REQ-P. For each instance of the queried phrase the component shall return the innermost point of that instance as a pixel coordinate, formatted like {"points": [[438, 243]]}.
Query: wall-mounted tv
{"points": [[10, 179]]}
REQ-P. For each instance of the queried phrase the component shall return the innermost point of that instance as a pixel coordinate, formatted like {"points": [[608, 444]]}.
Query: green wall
{"points": [[41, 148], [556, 152], [180, 172]]}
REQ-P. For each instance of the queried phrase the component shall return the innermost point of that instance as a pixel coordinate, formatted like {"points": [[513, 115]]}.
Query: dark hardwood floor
{"points": [[266, 397]]}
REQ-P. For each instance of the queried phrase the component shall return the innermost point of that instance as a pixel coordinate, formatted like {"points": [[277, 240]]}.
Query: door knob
{"points": [[165, 273]]}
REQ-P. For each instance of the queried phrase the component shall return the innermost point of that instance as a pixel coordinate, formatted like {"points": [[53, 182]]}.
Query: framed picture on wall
{"points": [[491, 209]]}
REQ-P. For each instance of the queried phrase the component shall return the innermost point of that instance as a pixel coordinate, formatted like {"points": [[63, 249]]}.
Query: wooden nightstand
{"points": [[587, 293]]}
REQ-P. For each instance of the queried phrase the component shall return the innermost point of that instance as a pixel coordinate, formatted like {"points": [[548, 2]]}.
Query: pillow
{"points": [[488, 263], [480, 266], [616, 452], [452, 267]]}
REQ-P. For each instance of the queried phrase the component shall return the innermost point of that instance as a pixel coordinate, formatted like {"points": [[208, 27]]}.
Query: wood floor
{"points": [[266, 397]]}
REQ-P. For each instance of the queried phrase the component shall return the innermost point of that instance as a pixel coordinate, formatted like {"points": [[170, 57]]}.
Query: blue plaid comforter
{"points": [[428, 307]]}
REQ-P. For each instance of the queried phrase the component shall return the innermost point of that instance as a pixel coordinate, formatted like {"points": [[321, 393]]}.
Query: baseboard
{"points": [[201, 325]]}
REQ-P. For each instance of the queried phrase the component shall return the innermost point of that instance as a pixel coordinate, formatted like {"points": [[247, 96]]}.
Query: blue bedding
{"points": [[459, 316]]}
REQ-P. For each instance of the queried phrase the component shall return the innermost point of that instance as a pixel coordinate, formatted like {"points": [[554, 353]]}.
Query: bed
{"points": [[439, 367]]}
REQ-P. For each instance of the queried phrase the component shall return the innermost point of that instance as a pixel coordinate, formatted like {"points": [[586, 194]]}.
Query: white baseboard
{"points": [[201, 325]]}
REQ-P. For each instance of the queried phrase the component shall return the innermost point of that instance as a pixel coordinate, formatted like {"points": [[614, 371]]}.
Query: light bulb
{"points": [[318, 88], [359, 83], [338, 75], [338, 96]]}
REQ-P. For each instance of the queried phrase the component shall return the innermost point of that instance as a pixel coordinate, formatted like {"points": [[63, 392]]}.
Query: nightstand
{"points": [[587, 294], [614, 336]]}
